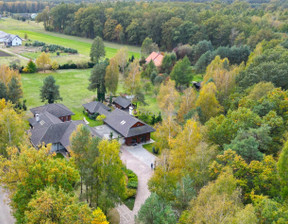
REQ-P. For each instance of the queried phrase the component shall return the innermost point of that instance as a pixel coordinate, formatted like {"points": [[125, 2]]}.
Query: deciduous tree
{"points": [[182, 72], [43, 61], [97, 50], [133, 81], [112, 76]]}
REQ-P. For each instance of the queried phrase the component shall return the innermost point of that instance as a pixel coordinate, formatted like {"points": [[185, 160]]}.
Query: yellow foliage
{"points": [[6, 74], [188, 100], [99, 217]]}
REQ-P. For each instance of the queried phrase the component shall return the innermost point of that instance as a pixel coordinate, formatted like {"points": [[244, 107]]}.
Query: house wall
{"points": [[137, 139], [16, 41], [65, 118]]}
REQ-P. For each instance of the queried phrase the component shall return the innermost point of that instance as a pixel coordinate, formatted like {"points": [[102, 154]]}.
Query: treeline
{"points": [[22, 6], [170, 24]]}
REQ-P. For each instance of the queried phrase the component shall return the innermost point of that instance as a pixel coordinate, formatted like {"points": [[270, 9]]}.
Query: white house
{"points": [[10, 39]]}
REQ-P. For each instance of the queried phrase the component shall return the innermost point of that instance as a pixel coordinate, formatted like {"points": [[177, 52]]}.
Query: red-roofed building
{"points": [[157, 58]]}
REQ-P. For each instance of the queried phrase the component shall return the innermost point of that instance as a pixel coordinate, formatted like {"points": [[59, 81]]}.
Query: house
{"points": [[58, 110], [130, 128], [156, 57], [10, 39], [122, 103], [96, 107], [52, 124]]}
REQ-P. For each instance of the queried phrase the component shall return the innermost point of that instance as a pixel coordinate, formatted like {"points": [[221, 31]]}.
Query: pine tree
{"points": [[14, 90], [50, 91]]}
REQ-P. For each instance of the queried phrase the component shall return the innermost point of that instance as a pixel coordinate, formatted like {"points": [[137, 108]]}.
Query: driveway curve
{"points": [[5, 211], [139, 161]]}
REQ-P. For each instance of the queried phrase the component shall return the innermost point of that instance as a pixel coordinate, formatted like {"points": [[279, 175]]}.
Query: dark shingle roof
{"points": [[55, 133], [122, 122], [96, 107], [122, 101], [45, 120], [56, 109]]}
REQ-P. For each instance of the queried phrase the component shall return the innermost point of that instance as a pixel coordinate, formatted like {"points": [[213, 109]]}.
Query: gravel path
{"points": [[139, 160], [5, 215]]}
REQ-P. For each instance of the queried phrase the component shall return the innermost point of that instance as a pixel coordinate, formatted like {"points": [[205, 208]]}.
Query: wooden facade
{"points": [[137, 139], [65, 118]]}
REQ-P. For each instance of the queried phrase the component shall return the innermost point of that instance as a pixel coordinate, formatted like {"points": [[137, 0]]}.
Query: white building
{"points": [[10, 39]]}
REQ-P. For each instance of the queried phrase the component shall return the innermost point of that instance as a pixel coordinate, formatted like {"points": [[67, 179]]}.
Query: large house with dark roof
{"points": [[132, 129], [96, 107], [52, 124]]}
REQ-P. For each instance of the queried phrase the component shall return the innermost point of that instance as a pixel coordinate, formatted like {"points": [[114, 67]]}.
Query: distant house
{"points": [[96, 107], [52, 124], [122, 103], [157, 58], [132, 129], [10, 39]]}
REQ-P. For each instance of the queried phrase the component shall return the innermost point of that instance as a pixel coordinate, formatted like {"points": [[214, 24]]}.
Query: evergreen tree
{"points": [[3, 91], [97, 50], [97, 80], [14, 90], [31, 67], [50, 91]]}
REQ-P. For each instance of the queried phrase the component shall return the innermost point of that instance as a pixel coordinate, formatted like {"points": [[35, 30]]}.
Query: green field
{"points": [[36, 32], [73, 89]]}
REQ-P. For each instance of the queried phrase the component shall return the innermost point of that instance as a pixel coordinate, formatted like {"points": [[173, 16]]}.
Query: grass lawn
{"points": [[36, 32], [149, 147], [73, 89]]}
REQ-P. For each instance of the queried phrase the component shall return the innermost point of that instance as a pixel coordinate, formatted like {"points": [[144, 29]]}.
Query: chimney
{"points": [[131, 110], [37, 117]]}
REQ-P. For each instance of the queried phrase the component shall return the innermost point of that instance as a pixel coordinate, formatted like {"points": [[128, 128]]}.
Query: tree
{"points": [[112, 76], [28, 170], [31, 67], [43, 61], [182, 72], [52, 206], [156, 211], [12, 128], [3, 91], [133, 80], [97, 80], [187, 103], [97, 50], [50, 91], [168, 29], [6, 74], [168, 62], [14, 91], [54, 65], [121, 58], [148, 46], [168, 97], [207, 102], [218, 202], [283, 170]]}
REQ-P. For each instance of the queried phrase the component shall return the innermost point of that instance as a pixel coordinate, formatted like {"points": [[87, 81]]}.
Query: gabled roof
{"points": [[157, 58], [122, 101], [96, 107], [55, 133], [45, 120], [123, 123], [56, 109]]}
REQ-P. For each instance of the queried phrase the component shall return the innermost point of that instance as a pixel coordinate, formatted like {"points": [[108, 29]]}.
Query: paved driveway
{"points": [[139, 160], [5, 215]]}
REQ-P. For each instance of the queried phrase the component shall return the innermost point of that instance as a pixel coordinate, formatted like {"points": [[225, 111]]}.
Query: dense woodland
{"points": [[222, 149]]}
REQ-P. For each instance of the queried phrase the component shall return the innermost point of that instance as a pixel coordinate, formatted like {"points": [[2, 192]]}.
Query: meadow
{"points": [[35, 31], [73, 89]]}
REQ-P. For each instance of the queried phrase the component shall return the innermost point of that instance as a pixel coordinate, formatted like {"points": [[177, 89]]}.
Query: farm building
{"points": [[156, 57], [10, 39]]}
